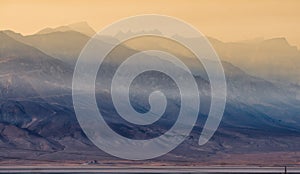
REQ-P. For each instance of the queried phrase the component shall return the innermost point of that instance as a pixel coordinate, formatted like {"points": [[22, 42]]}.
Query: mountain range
{"points": [[38, 123]]}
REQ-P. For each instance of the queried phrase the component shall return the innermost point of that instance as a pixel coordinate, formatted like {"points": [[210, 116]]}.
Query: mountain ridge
{"points": [[81, 27]]}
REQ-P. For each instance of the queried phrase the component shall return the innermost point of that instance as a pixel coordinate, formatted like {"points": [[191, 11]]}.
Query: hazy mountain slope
{"points": [[65, 46], [81, 27], [26, 70], [272, 59]]}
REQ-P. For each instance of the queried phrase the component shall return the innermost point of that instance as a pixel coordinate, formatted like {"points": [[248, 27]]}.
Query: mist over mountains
{"points": [[37, 119], [272, 59]]}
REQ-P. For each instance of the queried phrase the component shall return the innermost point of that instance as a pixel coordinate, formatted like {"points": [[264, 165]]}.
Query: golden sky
{"points": [[227, 20]]}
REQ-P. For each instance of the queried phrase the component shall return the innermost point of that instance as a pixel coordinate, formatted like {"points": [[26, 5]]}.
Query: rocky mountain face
{"points": [[37, 120], [33, 86]]}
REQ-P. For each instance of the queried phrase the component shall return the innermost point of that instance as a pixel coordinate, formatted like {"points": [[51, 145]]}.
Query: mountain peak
{"points": [[277, 41], [9, 47], [12, 33], [81, 27]]}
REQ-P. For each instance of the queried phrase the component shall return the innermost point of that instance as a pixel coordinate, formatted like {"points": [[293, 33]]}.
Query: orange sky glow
{"points": [[230, 20]]}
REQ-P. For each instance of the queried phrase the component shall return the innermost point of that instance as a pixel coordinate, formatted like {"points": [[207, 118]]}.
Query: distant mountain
{"points": [[123, 35], [65, 46], [81, 27], [272, 59], [26, 71]]}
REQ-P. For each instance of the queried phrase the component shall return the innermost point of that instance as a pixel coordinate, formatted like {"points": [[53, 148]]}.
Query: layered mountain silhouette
{"points": [[37, 119], [81, 27], [65, 45], [272, 59]]}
